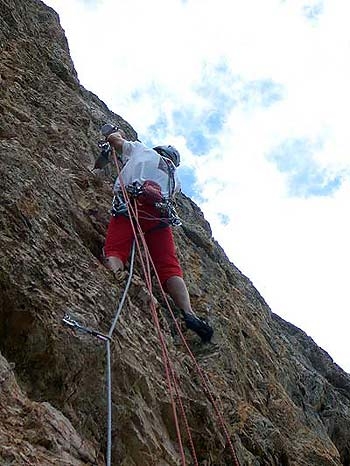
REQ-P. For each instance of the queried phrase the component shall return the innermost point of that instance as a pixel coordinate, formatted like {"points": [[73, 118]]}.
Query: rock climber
{"points": [[143, 168]]}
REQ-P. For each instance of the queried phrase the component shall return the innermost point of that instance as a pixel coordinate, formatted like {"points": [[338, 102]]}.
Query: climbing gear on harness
{"points": [[199, 326], [168, 212], [119, 207], [169, 152], [147, 193]]}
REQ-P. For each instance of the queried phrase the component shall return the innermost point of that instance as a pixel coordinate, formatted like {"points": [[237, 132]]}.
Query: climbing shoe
{"points": [[199, 326]]}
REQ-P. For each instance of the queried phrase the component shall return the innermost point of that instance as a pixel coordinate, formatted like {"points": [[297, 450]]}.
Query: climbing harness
{"points": [[147, 193]]}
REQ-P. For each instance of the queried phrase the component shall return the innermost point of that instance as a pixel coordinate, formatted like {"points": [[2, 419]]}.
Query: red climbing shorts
{"points": [[159, 239]]}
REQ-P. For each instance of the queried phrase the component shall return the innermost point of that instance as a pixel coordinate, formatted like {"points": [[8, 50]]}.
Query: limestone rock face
{"points": [[283, 399]]}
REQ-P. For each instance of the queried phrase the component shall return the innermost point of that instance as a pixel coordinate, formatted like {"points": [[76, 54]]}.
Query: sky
{"points": [[255, 96]]}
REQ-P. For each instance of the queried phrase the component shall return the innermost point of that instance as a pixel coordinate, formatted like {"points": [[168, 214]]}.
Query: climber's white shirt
{"points": [[142, 163]]}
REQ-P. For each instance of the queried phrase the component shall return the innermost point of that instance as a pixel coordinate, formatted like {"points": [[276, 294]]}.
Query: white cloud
{"points": [[149, 59]]}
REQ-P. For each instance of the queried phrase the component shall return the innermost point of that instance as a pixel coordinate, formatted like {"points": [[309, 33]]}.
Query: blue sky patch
{"points": [[221, 91], [214, 122], [223, 218], [199, 143], [159, 129], [188, 181], [263, 93], [181, 115], [305, 177], [313, 12], [210, 121], [197, 129], [313, 184], [224, 90]]}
